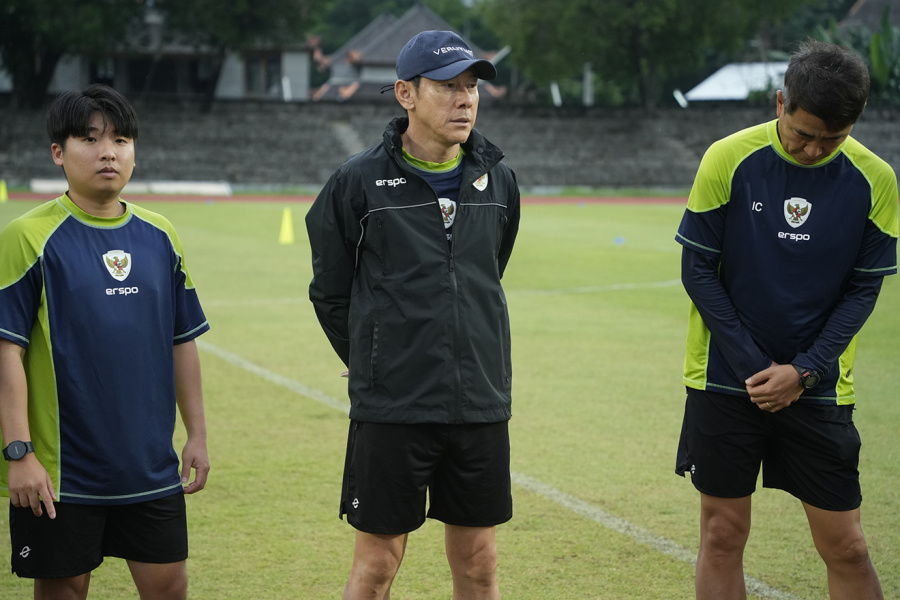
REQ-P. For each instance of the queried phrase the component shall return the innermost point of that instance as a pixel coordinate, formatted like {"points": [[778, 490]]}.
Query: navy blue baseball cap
{"points": [[440, 55]]}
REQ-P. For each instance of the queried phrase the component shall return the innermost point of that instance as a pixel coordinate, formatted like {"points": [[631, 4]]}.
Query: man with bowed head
{"points": [[409, 241], [790, 228]]}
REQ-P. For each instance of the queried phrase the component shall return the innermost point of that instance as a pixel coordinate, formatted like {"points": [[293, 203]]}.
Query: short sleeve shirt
{"points": [[99, 304]]}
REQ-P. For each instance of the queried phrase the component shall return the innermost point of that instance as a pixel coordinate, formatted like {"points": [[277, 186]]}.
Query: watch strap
{"points": [[806, 374]]}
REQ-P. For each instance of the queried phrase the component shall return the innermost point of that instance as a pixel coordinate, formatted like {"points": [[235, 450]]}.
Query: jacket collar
{"points": [[478, 148]]}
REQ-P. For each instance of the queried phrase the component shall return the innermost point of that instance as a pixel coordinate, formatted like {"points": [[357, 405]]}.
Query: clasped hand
{"points": [[774, 388]]}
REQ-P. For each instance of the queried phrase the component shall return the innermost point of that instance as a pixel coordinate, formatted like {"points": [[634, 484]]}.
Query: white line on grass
{"points": [[571, 503], [635, 532], [313, 394]]}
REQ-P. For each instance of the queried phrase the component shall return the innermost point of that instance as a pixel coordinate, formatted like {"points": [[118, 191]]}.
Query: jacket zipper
{"points": [[456, 416], [457, 333]]}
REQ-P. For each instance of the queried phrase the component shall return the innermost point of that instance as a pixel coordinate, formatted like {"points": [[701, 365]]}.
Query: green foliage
{"points": [[884, 57], [240, 24], [880, 50], [775, 40], [34, 34], [638, 43]]}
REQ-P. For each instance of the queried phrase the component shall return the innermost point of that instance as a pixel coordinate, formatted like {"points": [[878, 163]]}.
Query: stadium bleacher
{"points": [[272, 145]]}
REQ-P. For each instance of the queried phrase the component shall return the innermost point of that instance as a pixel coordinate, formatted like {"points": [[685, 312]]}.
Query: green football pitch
{"points": [[598, 323]]}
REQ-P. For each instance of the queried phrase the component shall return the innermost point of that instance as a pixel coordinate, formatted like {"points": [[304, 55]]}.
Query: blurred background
{"points": [[276, 94]]}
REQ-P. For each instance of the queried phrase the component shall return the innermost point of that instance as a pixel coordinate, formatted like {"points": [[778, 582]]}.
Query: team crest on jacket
{"points": [[481, 182], [118, 263], [448, 210], [796, 211]]}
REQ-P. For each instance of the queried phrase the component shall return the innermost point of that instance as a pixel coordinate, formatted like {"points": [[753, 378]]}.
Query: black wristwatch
{"points": [[17, 450], [809, 378]]}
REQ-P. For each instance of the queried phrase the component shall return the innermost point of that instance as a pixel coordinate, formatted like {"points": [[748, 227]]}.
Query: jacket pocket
{"points": [[502, 220], [384, 252], [505, 354], [373, 362]]}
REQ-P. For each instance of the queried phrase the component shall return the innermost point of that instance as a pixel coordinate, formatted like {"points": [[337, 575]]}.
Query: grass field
{"points": [[598, 323]]}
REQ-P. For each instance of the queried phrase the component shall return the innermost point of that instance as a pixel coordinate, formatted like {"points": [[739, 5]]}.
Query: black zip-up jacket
{"points": [[421, 324]]}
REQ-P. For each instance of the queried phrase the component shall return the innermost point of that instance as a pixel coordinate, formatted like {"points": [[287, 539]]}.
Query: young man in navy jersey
{"points": [[98, 320], [790, 227], [409, 241]]}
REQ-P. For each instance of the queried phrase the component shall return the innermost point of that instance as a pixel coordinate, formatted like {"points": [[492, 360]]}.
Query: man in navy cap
{"points": [[409, 241]]}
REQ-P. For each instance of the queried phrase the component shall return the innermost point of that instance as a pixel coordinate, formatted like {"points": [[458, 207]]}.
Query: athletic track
{"points": [[141, 198]]}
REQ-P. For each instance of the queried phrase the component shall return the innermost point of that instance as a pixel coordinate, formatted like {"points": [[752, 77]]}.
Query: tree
{"points": [[775, 41], [880, 50], [884, 59], [638, 44], [237, 26], [35, 34]]}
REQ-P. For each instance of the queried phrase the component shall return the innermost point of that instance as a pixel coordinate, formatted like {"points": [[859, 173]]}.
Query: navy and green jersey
{"points": [[783, 262], [99, 303]]}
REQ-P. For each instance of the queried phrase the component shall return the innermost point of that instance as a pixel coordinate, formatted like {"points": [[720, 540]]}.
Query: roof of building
{"points": [[377, 46], [736, 81], [363, 40], [867, 13]]}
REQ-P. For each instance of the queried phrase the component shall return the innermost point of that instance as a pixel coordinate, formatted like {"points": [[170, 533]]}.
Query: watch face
{"points": [[810, 379], [15, 450]]}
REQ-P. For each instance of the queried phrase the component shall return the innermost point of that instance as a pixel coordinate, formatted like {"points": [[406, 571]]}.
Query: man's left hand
{"points": [[774, 388], [194, 456]]}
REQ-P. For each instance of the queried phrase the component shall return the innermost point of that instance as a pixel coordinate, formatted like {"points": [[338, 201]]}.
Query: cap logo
{"points": [[118, 263], [447, 49], [440, 55], [796, 211]]}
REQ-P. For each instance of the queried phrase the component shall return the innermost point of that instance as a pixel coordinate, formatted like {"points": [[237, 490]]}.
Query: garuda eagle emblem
{"points": [[118, 263], [796, 211], [448, 210]]}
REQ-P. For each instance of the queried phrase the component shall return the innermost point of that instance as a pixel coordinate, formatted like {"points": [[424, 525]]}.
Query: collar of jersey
{"points": [[92, 220], [775, 139], [433, 167]]}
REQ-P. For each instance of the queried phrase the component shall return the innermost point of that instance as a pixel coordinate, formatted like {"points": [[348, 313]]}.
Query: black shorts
{"points": [[810, 451], [76, 541], [464, 469]]}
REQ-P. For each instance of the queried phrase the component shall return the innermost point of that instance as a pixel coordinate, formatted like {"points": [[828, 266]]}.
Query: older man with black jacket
{"points": [[410, 239]]}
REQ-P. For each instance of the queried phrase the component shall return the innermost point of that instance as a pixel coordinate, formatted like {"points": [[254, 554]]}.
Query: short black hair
{"points": [[71, 113], [416, 81], [828, 81]]}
